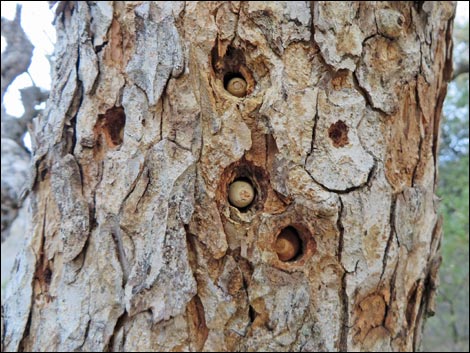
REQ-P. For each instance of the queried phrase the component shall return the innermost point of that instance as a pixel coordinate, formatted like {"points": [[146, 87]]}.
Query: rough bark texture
{"points": [[134, 245]]}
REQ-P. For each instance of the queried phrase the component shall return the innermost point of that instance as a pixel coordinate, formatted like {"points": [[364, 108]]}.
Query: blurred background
{"points": [[447, 331]]}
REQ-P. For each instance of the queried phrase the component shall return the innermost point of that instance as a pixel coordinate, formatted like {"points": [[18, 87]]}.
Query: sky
{"points": [[37, 23]]}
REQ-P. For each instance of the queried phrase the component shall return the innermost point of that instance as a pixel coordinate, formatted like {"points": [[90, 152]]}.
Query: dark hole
{"points": [[411, 304], [112, 124], [43, 173], [289, 245], [252, 314], [338, 133], [47, 276], [229, 75]]}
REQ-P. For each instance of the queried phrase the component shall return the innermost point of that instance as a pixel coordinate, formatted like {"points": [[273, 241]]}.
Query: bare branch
{"points": [[460, 68], [17, 56], [16, 59]]}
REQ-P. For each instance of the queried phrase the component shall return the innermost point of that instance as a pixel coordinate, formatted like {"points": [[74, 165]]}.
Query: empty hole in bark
{"points": [[289, 245], [111, 126], [235, 84], [47, 276], [43, 172], [338, 133], [241, 193]]}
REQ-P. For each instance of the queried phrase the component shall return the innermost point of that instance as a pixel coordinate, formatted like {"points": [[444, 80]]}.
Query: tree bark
{"points": [[135, 245]]}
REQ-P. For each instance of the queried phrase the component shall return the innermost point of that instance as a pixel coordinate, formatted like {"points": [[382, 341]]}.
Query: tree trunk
{"points": [[135, 244]]}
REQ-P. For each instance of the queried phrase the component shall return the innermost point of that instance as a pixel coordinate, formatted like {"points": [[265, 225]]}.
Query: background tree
{"points": [[448, 331], [16, 58], [134, 244]]}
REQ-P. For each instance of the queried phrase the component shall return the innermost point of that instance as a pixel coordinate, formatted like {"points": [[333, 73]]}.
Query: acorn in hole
{"points": [[241, 193], [288, 244], [237, 86]]}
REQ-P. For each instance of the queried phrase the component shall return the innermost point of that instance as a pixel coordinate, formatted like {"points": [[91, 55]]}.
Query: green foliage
{"points": [[449, 330], [454, 130]]}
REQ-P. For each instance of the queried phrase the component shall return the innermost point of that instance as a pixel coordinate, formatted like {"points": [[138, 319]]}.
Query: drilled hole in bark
{"points": [[247, 172], [292, 243], [111, 126], [235, 84], [241, 193], [338, 133], [230, 67], [289, 245]]}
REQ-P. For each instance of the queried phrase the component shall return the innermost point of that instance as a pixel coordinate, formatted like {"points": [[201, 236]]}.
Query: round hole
{"points": [[241, 193], [288, 245], [235, 84]]}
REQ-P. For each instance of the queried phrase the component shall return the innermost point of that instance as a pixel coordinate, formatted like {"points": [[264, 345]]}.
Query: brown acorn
{"points": [[237, 86], [241, 193], [287, 244]]}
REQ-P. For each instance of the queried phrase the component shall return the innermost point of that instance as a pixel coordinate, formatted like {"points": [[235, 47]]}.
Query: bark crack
{"points": [[116, 234], [145, 190], [363, 91], [314, 130], [343, 340], [421, 138], [351, 189], [110, 345], [161, 119], [133, 186], [87, 330], [391, 235]]}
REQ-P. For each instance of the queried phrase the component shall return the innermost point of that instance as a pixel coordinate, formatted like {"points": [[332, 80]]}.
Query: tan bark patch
{"points": [[370, 314], [114, 52], [197, 323], [404, 145]]}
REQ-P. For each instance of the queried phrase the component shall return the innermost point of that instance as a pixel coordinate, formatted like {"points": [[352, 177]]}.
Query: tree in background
{"points": [[16, 59], [449, 330], [330, 113], [15, 164]]}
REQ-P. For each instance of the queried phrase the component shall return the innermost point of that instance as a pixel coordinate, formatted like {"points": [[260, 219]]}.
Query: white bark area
{"points": [[134, 245]]}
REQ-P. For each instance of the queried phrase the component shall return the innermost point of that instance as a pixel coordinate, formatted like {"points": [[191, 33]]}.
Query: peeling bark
{"points": [[134, 243]]}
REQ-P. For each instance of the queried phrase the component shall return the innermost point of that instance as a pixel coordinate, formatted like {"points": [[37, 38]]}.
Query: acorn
{"points": [[241, 193], [237, 86], [287, 244]]}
